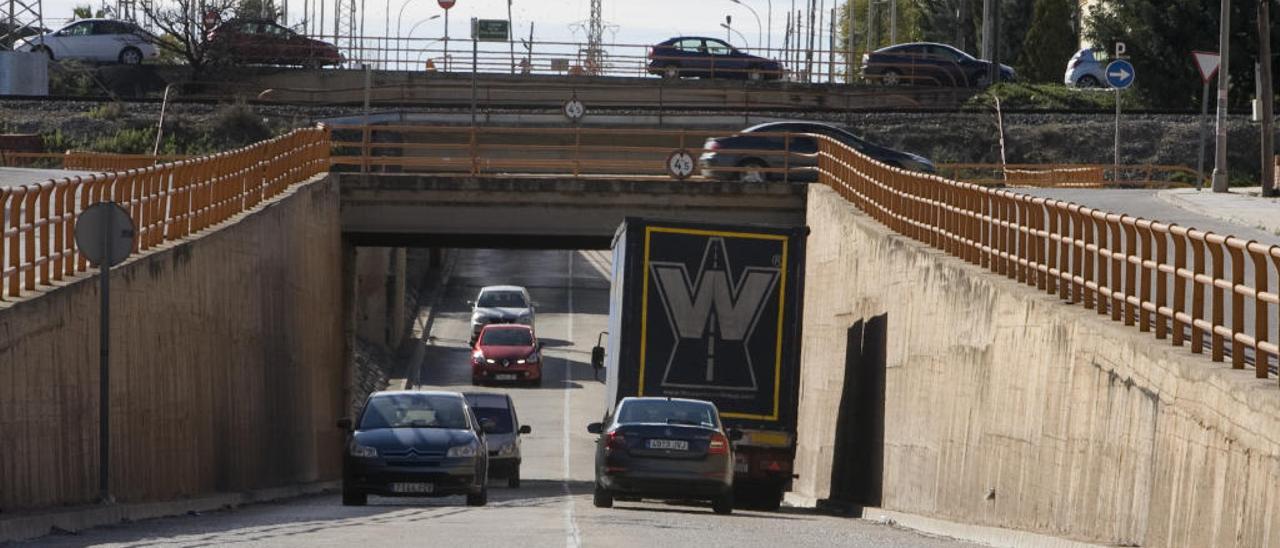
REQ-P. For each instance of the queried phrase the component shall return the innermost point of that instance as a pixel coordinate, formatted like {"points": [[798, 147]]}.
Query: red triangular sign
{"points": [[1207, 62]]}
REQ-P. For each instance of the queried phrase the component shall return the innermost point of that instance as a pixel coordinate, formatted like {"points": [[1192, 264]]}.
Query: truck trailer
{"points": [[712, 312]]}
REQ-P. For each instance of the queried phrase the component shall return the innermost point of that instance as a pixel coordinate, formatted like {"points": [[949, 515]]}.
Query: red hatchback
{"points": [[506, 352], [252, 41]]}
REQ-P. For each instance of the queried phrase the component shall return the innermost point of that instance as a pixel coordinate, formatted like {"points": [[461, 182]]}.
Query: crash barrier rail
{"points": [[1071, 175], [167, 202], [1181, 282], [84, 161], [481, 151]]}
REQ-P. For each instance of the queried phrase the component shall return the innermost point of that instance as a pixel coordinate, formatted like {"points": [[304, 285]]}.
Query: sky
{"points": [[633, 21]]}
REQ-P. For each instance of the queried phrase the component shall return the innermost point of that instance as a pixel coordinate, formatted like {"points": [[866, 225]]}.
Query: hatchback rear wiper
{"points": [[683, 421]]}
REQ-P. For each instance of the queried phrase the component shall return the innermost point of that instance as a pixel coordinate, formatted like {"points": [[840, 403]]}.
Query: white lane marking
{"points": [[572, 537]]}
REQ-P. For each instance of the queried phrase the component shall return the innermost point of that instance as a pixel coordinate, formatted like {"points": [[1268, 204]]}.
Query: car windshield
{"points": [[667, 412], [414, 411], [501, 299], [500, 417], [506, 337]]}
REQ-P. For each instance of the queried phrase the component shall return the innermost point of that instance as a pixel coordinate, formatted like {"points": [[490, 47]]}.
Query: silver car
{"points": [[95, 40], [1087, 69], [500, 304], [503, 430]]}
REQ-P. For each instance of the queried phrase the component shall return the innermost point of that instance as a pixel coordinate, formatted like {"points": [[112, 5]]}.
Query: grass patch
{"points": [[1056, 96]]}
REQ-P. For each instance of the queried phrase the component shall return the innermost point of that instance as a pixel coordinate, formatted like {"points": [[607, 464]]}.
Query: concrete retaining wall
{"points": [[972, 398], [227, 366]]}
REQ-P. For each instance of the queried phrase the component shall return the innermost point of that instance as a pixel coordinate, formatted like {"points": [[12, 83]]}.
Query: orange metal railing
{"points": [[167, 202], [1072, 175], [1189, 285]]}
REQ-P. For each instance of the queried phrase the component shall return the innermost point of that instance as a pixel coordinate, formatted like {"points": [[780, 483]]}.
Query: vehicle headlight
{"points": [[532, 358], [461, 451], [361, 451], [490, 361], [507, 450]]}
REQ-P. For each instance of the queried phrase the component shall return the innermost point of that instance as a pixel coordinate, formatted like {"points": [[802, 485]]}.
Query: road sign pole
{"points": [[104, 365], [1204, 126], [1116, 174]]}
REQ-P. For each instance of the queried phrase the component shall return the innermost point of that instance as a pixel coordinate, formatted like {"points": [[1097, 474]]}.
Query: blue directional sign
{"points": [[1120, 74]]}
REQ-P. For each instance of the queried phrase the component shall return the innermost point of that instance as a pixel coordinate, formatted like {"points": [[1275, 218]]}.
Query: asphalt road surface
{"points": [[553, 505]]}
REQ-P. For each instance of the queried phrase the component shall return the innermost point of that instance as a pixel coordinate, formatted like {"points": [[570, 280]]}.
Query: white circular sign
{"points": [[104, 231], [680, 164], [574, 109]]}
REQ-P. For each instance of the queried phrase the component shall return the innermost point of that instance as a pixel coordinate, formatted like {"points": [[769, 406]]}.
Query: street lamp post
{"points": [[759, 31], [400, 37], [728, 29], [415, 27]]}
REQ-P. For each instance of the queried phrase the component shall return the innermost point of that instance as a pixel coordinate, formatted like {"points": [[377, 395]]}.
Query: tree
{"points": [[1161, 34], [258, 9], [86, 12], [182, 24], [1049, 43]]}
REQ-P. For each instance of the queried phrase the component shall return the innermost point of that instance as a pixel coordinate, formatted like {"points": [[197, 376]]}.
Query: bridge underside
{"points": [[543, 211]]}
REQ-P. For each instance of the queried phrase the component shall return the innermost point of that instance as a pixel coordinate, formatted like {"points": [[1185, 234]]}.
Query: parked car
{"points": [[95, 40], [407, 444], [500, 304], [504, 436], [927, 63], [1087, 69], [664, 448], [260, 41], [708, 58], [506, 352], [763, 152]]}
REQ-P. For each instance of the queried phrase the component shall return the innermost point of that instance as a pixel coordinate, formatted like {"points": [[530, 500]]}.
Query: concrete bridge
{"points": [[956, 364]]}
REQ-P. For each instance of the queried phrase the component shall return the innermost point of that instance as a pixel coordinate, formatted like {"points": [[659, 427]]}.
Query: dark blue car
{"points": [[929, 64], [709, 58]]}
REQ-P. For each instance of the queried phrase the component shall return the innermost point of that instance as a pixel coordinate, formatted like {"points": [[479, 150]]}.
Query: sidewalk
{"points": [[1242, 206]]}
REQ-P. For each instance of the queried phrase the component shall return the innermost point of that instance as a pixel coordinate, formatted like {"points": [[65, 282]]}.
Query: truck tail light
{"points": [[719, 445]]}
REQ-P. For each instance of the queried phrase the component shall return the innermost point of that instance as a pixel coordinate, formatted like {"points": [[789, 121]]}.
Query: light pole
{"points": [[759, 31], [511, 37], [729, 29], [415, 27], [400, 37]]}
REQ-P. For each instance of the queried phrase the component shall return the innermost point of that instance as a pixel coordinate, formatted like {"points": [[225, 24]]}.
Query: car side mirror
{"points": [[526, 429], [735, 434], [597, 357], [595, 428], [344, 423]]}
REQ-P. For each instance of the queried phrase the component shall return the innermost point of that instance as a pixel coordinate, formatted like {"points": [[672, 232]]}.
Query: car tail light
{"points": [[1075, 63], [616, 442], [711, 145], [653, 52], [719, 445]]}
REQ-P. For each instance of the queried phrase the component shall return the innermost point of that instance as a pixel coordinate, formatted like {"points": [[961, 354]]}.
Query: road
{"points": [[553, 506]]}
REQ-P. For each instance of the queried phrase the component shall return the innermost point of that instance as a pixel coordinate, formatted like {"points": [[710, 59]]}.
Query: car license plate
{"points": [[739, 464], [505, 377], [413, 487], [674, 445]]}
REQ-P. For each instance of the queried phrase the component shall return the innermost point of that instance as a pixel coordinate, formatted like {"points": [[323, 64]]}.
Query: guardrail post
{"points": [[1179, 237], [1197, 292], [1130, 270], [1219, 300], [1237, 302], [1145, 282], [1258, 255], [1086, 271]]}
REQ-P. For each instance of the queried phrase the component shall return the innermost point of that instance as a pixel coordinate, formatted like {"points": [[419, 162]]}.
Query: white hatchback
{"points": [[96, 40]]}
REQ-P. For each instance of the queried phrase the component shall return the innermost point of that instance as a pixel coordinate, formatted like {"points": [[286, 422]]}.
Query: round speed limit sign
{"points": [[680, 164], [574, 109]]}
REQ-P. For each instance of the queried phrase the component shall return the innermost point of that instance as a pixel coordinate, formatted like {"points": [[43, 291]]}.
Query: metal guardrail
{"points": [[1146, 273], [84, 161], [1072, 175], [168, 202]]}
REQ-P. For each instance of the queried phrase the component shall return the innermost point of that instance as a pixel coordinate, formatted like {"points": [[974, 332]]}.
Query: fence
{"points": [[1179, 282], [167, 202], [1071, 175], [84, 161]]}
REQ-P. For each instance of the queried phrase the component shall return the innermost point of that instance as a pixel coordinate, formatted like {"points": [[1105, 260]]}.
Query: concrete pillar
{"points": [[349, 321], [395, 297]]}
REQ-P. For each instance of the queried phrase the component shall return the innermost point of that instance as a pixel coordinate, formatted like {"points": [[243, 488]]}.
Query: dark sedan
{"points": [[709, 58], [253, 41], [767, 152], [932, 64], [664, 448], [415, 444]]}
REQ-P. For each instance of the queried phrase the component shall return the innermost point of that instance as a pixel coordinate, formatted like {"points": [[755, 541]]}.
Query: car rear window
{"points": [[667, 412], [501, 299], [506, 337], [414, 411], [500, 416]]}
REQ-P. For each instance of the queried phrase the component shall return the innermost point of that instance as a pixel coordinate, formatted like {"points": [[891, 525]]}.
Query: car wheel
{"points": [[513, 481], [602, 498], [752, 171], [44, 50], [478, 499], [723, 504], [671, 72], [1088, 81], [352, 497], [891, 77], [131, 56]]}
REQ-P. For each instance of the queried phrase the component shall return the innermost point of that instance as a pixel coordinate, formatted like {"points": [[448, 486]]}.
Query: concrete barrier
{"points": [[934, 387], [227, 366]]}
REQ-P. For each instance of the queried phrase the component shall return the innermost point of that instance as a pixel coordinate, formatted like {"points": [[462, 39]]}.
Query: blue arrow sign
{"points": [[1120, 74]]}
